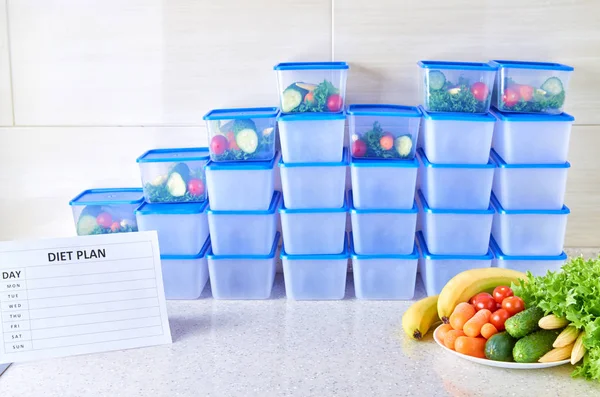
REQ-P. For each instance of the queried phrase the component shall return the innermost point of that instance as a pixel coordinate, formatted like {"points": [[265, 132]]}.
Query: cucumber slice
{"points": [[86, 225], [403, 145], [247, 140], [436, 80], [292, 98], [553, 86], [176, 185]]}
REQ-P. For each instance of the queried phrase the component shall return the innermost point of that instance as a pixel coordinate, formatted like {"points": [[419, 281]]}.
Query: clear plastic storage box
{"points": [[383, 131], [464, 87], [532, 138], [538, 265], [531, 87], [456, 186], [529, 186], [242, 134], [242, 277], [103, 211], [244, 232], [184, 276], [312, 86], [457, 138], [182, 229], [245, 186], [312, 138], [174, 175], [529, 232]]}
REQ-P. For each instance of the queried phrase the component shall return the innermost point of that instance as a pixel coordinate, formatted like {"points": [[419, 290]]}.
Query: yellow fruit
{"points": [[566, 337], [553, 322], [419, 318], [578, 349], [557, 354]]}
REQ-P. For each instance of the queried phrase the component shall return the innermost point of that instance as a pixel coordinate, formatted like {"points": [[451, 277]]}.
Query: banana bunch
{"points": [[569, 343]]}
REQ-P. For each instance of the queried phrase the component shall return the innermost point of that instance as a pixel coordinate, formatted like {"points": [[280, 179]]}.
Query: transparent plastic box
{"points": [[538, 265], [306, 87], [182, 228], [315, 277], [456, 186], [242, 277], [103, 211], [529, 232], [464, 87], [436, 270], [244, 186], [455, 232], [312, 138], [244, 232], [531, 87], [174, 175], [383, 131], [529, 186], [242, 134], [378, 184], [457, 138], [185, 276], [532, 138], [314, 185]]}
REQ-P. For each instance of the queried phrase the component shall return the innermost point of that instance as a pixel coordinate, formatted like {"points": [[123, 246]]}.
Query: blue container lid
{"points": [[531, 65], [526, 117], [354, 210], [172, 208], [241, 165], [421, 155], [342, 255], [354, 255], [500, 255], [478, 117], [426, 254], [311, 66], [457, 65], [272, 208], [343, 163], [311, 116], [241, 113], [429, 210], [109, 196], [205, 247], [500, 163], [270, 255], [384, 110], [563, 211], [284, 210], [358, 162], [174, 155]]}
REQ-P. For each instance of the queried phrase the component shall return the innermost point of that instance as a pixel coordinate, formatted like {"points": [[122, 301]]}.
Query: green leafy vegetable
{"points": [[320, 95], [372, 139], [540, 103], [456, 98]]}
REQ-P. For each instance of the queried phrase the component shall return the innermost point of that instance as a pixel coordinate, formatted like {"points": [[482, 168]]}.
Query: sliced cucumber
{"points": [[292, 98], [436, 80], [403, 145], [553, 86], [176, 185], [86, 225], [247, 140]]}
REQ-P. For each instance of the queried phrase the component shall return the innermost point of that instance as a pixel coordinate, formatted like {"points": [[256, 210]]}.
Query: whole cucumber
{"points": [[524, 323], [533, 346]]}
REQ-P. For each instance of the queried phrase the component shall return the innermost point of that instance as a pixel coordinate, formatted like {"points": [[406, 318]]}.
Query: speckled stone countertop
{"points": [[285, 348]]}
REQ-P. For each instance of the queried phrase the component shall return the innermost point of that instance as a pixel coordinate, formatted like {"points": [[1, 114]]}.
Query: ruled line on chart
{"points": [[91, 303], [95, 322], [95, 343], [104, 311], [89, 261], [88, 284], [92, 293], [92, 274], [96, 333]]}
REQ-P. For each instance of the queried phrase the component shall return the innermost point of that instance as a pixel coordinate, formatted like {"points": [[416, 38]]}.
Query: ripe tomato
{"points": [[232, 143], [386, 142], [510, 97], [498, 318], [513, 305], [480, 91], [218, 144], [196, 187], [309, 98], [359, 148], [483, 300], [104, 219], [115, 227], [501, 292], [334, 102], [526, 92]]}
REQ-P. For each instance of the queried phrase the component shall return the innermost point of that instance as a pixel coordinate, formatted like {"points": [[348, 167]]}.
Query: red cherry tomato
{"points": [[196, 187], [334, 102], [115, 227], [510, 97], [498, 318], [526, 92], [359, 148], [104, 219], [501, 292], [218, 144], [309, 98], [232, 143], [513, 305], [484, 300], [480, 91]]}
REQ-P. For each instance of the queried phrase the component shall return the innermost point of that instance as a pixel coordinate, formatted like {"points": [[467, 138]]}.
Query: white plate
{"points": [[499, 364]]}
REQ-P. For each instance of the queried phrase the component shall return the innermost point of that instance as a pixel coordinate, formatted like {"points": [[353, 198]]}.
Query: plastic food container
{"points": [[245, 186], [384, 276], [174, 175], [464, 87], [242, 276], [103, 211], [437, 270], [382, 231], [455, 231], [312, 138], [182, 229], [312, 86], [242, 134], [314, 185], [378, 184], [456, 186], [315, 277], [313, 231], [383, 131], [244, 232], [457, 138], [184, 276], [532, 138], [529, 186], [531, 87], [538, 265], [529, 232]]}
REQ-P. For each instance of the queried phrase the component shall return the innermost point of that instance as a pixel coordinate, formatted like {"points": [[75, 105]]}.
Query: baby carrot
{"points": [[488, 330], [461, 314], [451, 338], [470, 346], [472, 327], [443, 330]]}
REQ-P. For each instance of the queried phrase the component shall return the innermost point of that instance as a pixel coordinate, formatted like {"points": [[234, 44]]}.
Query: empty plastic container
{"points": [[184, 276], [315, 277], [242, 134], [314, 185], [456, 186], [182, 228], [436, 270], [242, 276], [538, 265], [464, 87], [244, 186], [531, 87], [312, 86], [457, 138], [383, 131], [529, 232], [383, 183], [103, 211], [312, 138], [529, 186], [532, 138], [174, 175], [244, 232]]}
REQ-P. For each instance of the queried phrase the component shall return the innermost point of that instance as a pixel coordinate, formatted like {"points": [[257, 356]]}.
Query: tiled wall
{"points": [[87, 85]]}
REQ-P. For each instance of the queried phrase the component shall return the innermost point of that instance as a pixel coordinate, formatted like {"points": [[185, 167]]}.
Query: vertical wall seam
{"points": [[332, 30], [10, 74]]}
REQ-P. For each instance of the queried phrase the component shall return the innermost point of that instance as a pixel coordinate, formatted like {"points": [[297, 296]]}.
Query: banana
{"points": [[417, 320], [465, 285]]}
